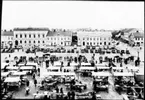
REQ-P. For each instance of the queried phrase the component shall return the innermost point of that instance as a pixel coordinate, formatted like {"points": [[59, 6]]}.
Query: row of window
{"points": [[30, 41], [29, 36], [98, 38], [59, 38], [139, 38], [90, 43]]}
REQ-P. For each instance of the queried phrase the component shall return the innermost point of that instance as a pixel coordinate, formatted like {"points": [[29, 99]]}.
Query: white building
{"points": [[28, 37], [94, 38], [59, 38], [135, 35], [6, 38]]}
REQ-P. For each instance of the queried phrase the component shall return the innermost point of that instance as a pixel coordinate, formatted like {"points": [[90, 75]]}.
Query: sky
{"points": [[73, 14]]}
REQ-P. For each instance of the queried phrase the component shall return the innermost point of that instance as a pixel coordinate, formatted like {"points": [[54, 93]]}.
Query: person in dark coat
{"points": [[5, 87], [69, 94], [33, 76], [35, 82], [61, 90], [73, 95], [27, 83], [57, 89]]}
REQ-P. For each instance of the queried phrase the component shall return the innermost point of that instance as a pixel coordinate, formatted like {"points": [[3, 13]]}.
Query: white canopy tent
{"points": [[123, 74], [12, 68], [26, 68], [101, 74], [19, 73], [4, 74], [87, 68], [85, 64], [12, 79], [102, 67], [3, 65]]}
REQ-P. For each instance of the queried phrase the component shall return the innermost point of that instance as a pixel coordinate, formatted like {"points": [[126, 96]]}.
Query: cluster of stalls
{"points": [[15, 76]]}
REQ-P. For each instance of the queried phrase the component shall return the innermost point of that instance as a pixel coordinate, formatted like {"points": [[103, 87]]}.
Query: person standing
{"points": [[68, 94], [27, 83], [33, 75], [35, 82]]}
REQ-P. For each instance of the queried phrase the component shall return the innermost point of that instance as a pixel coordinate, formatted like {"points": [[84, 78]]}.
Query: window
{"points": [[43, 35], [38, 35], [34, 35], [20, 35], [25, 41], [94, 38], [83, 38], [100, 43], [90, 38], [61, 42], [90, 43], [104, 38], [16, 35], [87, 43], [43, 41], [29, 41], [54, 38], [20, 41], [87, 39], [25, 35], [38, 41], [61, 38], [97, 38], [64, 38], [34, 41], [100, 38], [68, 38], [94, 43], [48, 38], [104, 43], [29, 35], [51, 38], [83, 43], [12, 38]]}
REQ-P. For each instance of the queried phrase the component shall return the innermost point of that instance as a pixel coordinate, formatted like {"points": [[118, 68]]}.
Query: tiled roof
{"points": [[128, 30], [31, 29], [60, 33], [138, 35], [7, 33], [94, 34]]}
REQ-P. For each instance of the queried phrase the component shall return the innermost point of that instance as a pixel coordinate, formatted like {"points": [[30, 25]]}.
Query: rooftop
{"points": [[7, 33], [60, 33], [31, 29]]}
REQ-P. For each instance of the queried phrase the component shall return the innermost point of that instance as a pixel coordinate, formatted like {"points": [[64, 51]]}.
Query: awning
{"points": [[4, 74], [101, 74], [122, 74], [19, 73], [12, 79]]}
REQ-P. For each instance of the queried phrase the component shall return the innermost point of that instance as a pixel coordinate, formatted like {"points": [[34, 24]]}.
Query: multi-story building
{"points": [[29, 37], [138, 38], [94, 38], [7, 38], [59, 38]]}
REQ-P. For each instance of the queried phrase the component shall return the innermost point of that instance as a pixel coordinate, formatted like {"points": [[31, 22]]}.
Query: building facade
{"points": [[96, 38], [7, 39], [59, 38], [29, 37]]}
